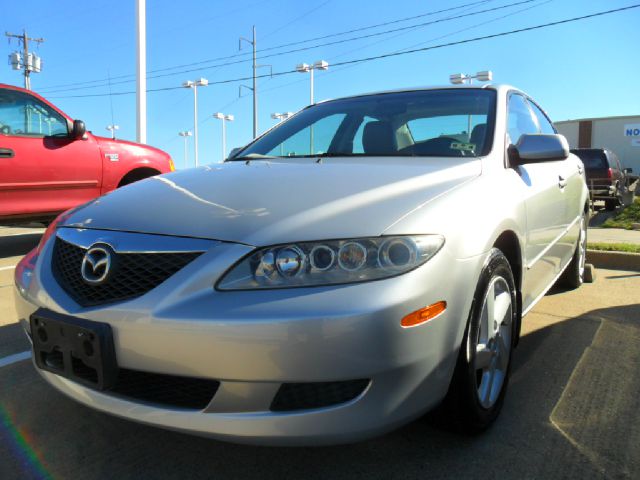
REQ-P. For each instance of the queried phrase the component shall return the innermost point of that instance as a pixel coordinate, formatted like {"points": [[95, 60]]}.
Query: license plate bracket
{"points": [[75, 348]]}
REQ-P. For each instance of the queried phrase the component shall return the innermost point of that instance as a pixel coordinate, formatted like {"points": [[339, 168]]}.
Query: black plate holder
{"points": [[78, 349]]}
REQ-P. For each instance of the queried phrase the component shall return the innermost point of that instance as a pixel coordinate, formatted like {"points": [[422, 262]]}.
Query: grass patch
{"points": [[625, 217], [614, 247]]}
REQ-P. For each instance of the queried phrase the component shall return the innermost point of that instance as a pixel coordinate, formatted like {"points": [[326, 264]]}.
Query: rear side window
{"points": [[593, 159], [544, 123]]}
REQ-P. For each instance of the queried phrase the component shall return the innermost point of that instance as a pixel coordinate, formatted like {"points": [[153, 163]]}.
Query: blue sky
{"points": [[582, 69]]}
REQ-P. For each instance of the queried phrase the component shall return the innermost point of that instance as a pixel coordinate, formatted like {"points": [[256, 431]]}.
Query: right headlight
{"points": [[330, 262]]}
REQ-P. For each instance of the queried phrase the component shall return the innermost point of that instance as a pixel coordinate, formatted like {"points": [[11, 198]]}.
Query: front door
{"points": [[42, 169], [543, 193]]}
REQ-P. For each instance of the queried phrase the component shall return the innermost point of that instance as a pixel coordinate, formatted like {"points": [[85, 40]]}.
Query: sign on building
{"points": [[632, 131]]}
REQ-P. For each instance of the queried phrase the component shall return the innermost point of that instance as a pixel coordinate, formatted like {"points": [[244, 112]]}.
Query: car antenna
{"points": [[248, 161], [319, 160]]}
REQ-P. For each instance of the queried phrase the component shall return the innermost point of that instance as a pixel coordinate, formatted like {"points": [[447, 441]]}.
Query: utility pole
{"points": [[141, 72], [255, 80], [29, 62]]}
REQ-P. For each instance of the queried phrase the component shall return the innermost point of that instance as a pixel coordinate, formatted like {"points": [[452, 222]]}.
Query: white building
{"points": [[619, 134]]}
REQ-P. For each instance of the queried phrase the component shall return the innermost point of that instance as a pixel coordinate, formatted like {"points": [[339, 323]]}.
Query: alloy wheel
{"points": [[493, 344]]}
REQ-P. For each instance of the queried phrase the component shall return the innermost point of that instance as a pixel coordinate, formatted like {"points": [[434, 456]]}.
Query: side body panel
{"points": [[48, 174]]}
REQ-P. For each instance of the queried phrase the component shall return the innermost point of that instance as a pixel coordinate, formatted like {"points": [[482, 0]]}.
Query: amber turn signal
{"points": [[424, 314]]}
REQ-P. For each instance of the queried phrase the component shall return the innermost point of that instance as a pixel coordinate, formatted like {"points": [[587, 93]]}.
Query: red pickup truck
{"points": [[50, 163]]}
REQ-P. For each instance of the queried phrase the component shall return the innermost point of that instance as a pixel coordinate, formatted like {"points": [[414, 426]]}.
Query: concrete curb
{"points": [[614, 260]]}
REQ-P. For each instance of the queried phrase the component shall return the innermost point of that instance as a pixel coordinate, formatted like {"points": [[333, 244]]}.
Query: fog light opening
{"points": [[423, 315]]}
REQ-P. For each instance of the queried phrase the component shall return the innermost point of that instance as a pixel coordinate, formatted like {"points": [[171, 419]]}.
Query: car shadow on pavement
{"points": [[570, 413], [18, 245]]}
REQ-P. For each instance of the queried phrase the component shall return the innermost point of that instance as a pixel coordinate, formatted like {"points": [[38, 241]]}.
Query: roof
{"points": [[493, 86], [592, 119]]}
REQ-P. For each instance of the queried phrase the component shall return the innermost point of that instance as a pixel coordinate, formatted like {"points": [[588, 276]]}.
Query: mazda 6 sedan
{"points": [[363, 262]]}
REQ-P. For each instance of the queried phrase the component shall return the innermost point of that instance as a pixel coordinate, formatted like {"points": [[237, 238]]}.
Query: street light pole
{"points": [[305, 67], [461, 78], [112, 129], [185, 135], [224, 118], [141, 72], [194, 84]]}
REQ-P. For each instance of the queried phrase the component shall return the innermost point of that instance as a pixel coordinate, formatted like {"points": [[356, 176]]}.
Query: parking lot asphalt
{"points": [[571, 410]]}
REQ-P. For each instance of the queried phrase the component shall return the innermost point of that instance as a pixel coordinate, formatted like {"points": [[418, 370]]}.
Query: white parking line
{"points": [[35, 232], [15, 358], [11, 267]]}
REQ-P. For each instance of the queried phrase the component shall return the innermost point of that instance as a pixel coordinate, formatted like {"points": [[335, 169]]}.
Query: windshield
{"points": [[427, 123]]}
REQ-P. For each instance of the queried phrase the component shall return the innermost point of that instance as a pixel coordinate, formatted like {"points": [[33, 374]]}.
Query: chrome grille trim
{"points": [[127, 242]]}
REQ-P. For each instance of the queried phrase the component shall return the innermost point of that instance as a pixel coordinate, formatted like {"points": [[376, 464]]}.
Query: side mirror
{"points": [[536, 148], [628, 170], [79, 129], [233, 152]]}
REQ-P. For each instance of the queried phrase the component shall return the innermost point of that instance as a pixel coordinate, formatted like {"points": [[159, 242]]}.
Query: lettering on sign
{"points": [[632, 130]]}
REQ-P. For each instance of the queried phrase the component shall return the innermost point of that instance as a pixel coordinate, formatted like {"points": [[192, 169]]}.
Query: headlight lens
{"points": [[331, 262]]}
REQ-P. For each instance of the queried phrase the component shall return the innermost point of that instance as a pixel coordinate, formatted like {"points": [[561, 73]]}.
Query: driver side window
{"points": [[24, 115], [520, 120]]}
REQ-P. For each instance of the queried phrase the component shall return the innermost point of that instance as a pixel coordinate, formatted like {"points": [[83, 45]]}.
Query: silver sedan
{"points": [[363, 262]]}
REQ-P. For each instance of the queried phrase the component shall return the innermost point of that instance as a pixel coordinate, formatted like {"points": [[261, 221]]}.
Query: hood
{"points": [[266, 203], [136, 149]]}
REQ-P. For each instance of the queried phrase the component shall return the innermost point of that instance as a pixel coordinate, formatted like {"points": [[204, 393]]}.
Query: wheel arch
{"points": [[509, 244], [136, 174]]}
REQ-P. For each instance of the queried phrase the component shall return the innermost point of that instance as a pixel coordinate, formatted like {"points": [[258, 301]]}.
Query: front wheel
{"points": [[480, 379]]}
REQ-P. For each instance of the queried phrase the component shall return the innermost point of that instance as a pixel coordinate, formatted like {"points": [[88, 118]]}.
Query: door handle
{"points": [[6, 153], [562, 182]]}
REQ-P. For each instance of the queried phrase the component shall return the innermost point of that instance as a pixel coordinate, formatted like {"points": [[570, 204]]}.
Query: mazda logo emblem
{"points": [[96, 265]]}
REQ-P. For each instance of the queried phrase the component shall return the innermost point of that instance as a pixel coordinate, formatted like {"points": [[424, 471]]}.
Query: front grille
{"points": [[134, 274], [165, 390], [300, 396]]}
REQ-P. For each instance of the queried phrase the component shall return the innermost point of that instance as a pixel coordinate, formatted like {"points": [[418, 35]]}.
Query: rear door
{"points": [[42, 170], [571, 174], [544, 205]]}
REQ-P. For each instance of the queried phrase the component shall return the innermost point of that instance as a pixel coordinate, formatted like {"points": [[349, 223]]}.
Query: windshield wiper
{"points": [[253, 156]]}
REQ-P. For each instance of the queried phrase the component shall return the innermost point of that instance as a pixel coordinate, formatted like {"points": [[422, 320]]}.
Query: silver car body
{"points": [[254, 341]]}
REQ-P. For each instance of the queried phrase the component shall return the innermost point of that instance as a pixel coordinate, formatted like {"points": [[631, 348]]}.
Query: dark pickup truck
{"points": [[606, 178]]}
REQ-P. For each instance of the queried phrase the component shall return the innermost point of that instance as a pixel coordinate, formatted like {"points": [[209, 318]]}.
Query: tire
{"points": [[475, 399], [611, 203], [573, 276]]}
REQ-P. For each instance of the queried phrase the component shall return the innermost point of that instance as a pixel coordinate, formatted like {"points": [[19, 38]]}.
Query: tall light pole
{"points": [[194, 84], [225, 119], [185, 135], [305, 67], [112, 129], [141, 72], [281, 116], [461, 78]]}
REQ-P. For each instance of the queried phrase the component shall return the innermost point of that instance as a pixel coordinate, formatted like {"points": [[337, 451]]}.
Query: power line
{"points": [[396, 54], [345, 67], [55, 88]]}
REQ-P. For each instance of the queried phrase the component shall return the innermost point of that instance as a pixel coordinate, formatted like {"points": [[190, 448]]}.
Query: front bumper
{"points": [[254, 341]]}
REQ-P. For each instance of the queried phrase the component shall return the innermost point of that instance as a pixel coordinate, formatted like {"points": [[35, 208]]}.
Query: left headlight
{"points": [[330, 262]]}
